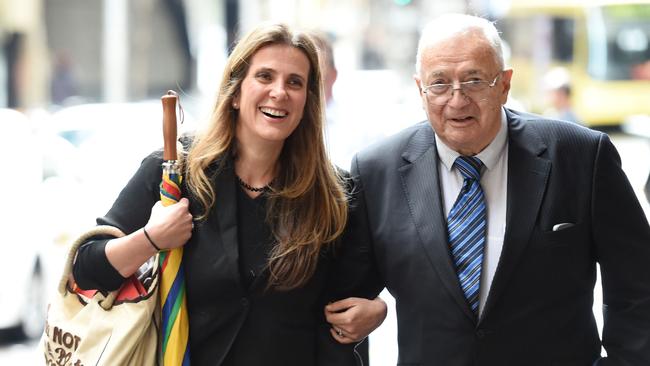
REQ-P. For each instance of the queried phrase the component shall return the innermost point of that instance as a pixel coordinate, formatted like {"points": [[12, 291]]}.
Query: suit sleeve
{"points": [[622, 236]]}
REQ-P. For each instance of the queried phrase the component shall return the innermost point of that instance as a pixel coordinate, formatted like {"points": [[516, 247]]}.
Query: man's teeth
{"points": [[273, 112]]}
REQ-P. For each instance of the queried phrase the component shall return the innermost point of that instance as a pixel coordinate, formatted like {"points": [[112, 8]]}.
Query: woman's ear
{"points": [[235, 102]]}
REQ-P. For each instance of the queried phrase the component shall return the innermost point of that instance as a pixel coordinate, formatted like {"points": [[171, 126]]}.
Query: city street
{"points": [[80, 107], [635, 153]]}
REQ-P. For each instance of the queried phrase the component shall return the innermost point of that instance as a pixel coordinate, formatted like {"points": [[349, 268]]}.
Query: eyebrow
{"points": [[273, 71], [442, 73]]}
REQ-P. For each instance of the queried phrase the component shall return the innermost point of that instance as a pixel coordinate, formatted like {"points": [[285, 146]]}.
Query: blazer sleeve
{"points": [[355, 272], [622, 236], [130, 212]]}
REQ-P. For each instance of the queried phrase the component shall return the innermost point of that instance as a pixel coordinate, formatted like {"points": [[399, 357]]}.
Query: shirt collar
{"points": [[489, 156]]}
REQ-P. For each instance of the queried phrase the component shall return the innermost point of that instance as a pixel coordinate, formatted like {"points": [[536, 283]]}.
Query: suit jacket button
{"points": [[480, 333], [244, 302]]}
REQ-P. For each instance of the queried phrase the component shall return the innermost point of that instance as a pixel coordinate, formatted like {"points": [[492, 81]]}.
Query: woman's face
{"points": [[272, 97]]}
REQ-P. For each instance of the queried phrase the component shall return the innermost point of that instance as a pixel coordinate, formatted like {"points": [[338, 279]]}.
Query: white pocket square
{"points": [[562, 226]]}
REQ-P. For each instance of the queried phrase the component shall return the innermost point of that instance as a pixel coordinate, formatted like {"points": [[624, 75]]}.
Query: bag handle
{"points": [[107, 302]]}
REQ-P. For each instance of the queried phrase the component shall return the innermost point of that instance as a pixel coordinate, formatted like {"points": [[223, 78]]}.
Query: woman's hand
{"points": [[170, 226], [354, 318]]}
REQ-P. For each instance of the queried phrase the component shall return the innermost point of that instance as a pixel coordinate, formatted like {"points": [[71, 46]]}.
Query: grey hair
{"points": [[448, 25]]}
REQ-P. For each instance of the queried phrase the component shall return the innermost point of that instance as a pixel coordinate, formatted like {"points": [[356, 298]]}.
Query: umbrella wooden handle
{"points": [[169, 125]]}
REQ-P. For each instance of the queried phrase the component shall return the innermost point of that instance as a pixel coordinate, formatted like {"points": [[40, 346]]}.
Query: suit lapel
{"points": [[422, 190], [528, 174]]}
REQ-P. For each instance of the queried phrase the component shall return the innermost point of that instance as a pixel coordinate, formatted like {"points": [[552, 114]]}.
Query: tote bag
{"points": [[86, 328]]}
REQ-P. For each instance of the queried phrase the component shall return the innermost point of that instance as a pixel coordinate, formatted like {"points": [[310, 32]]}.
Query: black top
{"points": [[254, 235], [234, 319]]}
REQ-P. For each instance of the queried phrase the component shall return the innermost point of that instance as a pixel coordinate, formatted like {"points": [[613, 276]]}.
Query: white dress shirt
{"points": [[494, 181]]}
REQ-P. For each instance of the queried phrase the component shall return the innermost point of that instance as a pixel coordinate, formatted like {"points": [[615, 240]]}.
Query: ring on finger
{"points": [[339, 333]]}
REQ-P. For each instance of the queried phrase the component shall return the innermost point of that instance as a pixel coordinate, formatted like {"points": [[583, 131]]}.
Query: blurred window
{"points": [[76, 137], [518, 41], [619, 41], [562, 39], [3, 78], [553, 33]]}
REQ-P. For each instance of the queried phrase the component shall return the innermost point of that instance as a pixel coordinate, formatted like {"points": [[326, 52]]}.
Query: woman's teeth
{"points": [[273, 113]]}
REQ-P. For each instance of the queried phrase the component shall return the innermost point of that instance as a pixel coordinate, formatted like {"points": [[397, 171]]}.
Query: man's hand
{"points": [[354, 318]]}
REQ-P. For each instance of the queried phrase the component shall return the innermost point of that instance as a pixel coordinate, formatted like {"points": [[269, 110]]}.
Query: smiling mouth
{"points": [[273, 113], [462, 119]]}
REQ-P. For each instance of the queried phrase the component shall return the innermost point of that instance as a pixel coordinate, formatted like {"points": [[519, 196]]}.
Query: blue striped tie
{"points": [[466, 226]]}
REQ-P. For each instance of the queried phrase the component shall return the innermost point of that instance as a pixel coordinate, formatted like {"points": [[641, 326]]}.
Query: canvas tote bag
{"points": [[86, 328]]}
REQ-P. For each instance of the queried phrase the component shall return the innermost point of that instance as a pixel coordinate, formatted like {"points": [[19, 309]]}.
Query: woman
{"points": [[266, 205]]}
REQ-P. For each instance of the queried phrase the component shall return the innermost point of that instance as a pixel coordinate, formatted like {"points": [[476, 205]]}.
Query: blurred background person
{"points": [[328, 66], [63, 84], [338, 135], [647, 188], [344, 136], [558, 86]]}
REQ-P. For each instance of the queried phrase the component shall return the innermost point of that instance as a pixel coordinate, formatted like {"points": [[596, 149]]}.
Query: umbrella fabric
{"points": [[175, 323]]}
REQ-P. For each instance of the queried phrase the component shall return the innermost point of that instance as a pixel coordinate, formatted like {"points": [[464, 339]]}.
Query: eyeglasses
{"points": [[440, 94]]}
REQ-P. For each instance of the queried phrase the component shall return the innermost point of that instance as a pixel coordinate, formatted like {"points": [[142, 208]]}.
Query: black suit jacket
{"points": [[229, 323], [539, 309]]}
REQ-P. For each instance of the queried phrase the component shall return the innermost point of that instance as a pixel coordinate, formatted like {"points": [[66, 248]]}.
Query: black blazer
{"points": [[230, 324], [539, 309]]}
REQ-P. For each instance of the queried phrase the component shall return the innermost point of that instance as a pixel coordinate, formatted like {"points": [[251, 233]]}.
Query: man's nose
{"points": [[458, 97]]}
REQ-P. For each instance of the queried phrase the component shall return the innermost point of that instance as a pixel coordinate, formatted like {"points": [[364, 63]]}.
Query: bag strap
{"points": [[107, 303]]}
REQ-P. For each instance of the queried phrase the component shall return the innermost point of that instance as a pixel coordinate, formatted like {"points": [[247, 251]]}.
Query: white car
{"points": [[22, 265], [108, 142]]}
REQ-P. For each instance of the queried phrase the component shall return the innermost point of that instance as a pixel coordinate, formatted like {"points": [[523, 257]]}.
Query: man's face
{"points": [[467, 120]]}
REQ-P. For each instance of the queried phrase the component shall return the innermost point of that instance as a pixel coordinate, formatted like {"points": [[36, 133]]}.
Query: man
{"points": [[345, 133], [486, 224]]}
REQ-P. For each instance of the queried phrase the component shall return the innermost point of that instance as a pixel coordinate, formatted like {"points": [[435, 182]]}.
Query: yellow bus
{"points": [[603, 45]]}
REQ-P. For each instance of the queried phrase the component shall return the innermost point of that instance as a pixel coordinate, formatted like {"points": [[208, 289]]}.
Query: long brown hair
{"points": [[307, 207]]}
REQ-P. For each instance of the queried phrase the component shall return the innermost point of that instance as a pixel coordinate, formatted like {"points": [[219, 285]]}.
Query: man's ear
{"points": [[418, 82], [505, 83]]}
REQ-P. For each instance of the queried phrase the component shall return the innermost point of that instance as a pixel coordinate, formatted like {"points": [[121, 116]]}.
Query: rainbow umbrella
{"points": [[175, 322]]}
